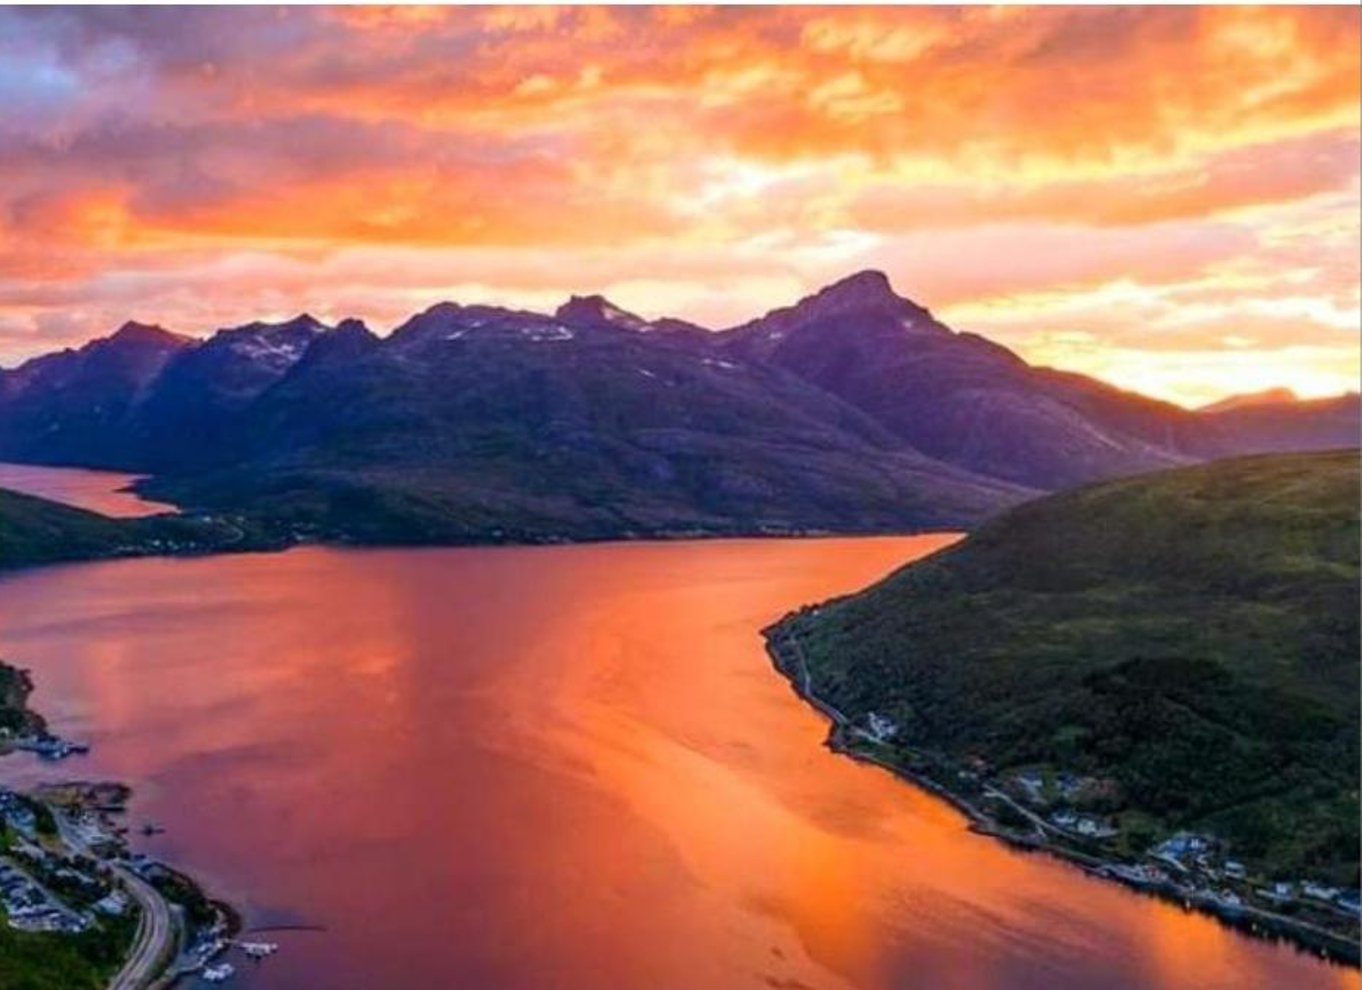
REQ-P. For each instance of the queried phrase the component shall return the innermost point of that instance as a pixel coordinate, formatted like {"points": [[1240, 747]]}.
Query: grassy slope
{"points": [[50, 961], [37, 531], [1192, 634]]}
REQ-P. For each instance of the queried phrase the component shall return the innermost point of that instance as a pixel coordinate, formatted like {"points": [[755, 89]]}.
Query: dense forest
{"points": [[1190, 638]]}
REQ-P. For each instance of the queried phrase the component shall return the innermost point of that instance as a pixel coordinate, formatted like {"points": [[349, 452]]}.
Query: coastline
{"points": [[64, 849], [283, 542], [167, 925], [845, 740], [192, 531]]}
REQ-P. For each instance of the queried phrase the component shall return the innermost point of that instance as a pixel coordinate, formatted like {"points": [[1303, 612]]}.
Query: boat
{"points": [[259, 950], [51, 747], [219, 973]]}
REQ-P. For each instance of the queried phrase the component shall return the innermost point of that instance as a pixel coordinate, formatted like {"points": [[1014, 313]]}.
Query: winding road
{"points": [[157, 933], [158, 927]]}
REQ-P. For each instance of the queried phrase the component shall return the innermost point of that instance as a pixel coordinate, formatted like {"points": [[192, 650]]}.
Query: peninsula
{"points": [[80, 909], [1156, 677]]}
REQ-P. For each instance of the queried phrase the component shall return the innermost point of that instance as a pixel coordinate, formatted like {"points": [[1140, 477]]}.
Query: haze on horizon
{"points": [[1167, 198]]}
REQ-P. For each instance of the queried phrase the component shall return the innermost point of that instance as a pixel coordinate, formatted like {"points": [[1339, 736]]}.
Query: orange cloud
{"points": [[1019, 168]]}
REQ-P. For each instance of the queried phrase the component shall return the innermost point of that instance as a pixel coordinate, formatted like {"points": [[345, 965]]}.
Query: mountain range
{"points": [[853, 410]]}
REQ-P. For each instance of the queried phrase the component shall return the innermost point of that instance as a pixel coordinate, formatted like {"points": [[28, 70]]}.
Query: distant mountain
{"points": [[1300, 424], [588, 311], [963, 399], [187, 418], [852, 410], [476, 422], [72, 406], [1185, 640], [36, 531], [1267, 397]]}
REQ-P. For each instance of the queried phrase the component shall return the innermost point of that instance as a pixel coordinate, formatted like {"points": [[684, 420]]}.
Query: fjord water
{"points": [[99, 491], [567, 767]]}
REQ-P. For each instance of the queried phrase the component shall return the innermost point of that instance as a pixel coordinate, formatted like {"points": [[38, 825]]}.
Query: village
{"points": [[66, 868], [1074, 815], [1196, 866]]}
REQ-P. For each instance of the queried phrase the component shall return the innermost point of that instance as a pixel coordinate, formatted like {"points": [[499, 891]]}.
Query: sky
{"points": [[1167, 198]]}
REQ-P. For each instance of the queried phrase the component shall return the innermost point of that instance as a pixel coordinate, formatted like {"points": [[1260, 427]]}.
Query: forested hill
{"points": [[1189, 637], [38, 531]]}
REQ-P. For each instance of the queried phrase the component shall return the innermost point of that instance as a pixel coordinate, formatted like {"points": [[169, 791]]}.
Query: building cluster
{"points": [[1197, 864], [30, 907], [41, 890], [878, 728], [1058, 795], [55, 876], [1086, 826], [16, 813]]}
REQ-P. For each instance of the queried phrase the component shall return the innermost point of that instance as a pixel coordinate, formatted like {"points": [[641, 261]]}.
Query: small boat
{"points": [[259, 950], [151, 828], [219, 973], [51, 747]]}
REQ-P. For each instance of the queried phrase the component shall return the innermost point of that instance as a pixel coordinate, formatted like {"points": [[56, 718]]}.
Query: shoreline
{"points": [[202, 531], [1247, 920], [65, 848]]}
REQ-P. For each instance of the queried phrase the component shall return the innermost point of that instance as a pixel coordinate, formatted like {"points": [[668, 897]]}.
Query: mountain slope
{"points": [[1275, 427], [854, 410], [1189, 636], [70, 407], [960, 398], [478, 422], [1266, 397], [190, 411], [36, 531]]}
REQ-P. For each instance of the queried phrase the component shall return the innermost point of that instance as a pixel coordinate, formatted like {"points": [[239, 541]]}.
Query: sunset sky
{"points": [[1167, 198]]}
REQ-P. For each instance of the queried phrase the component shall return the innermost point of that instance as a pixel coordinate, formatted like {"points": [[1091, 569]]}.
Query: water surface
{"points": [[104, 492], [563, 767]]}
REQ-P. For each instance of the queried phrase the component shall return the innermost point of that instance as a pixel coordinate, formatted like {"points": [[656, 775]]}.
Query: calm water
{"points": [[556, 768], [98, 491]]}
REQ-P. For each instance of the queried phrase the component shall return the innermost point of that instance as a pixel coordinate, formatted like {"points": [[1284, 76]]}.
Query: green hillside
{"points": [[15, 716], [36, 531], [1188, 639]]}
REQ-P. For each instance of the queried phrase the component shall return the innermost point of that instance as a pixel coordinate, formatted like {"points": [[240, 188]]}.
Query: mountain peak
{"points": [[305, 320], [866, 294], [596, 310], [133, 332], [1267, 397], [347, 339], [302, 323], [867, 291], [353, 327], [867, 285], [864, 302]]}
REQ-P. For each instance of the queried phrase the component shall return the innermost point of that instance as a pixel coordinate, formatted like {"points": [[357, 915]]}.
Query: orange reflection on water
{"points": [[568, 767], [98, 491]]}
